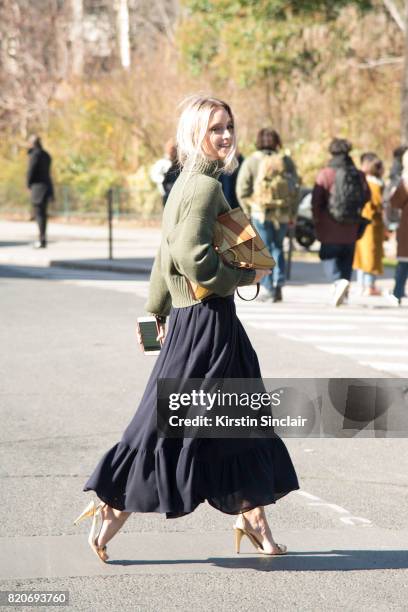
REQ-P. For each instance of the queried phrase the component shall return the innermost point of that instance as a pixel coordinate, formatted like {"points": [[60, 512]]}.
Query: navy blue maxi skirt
{"points": [[144, 473]]}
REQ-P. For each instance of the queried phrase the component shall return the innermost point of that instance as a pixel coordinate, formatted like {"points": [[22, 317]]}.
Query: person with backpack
{"points": [[369, 250], [267, 190], [338, 197]]}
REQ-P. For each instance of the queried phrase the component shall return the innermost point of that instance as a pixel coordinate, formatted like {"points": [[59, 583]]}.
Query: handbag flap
{"points": [[231, 229]]}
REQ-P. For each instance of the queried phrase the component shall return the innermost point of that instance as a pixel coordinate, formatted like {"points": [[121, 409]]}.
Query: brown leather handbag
{"points": [[239, 244]]}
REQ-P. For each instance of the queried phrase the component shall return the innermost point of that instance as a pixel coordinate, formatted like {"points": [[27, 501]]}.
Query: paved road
{"points": [[71, 379], [368, 331]]}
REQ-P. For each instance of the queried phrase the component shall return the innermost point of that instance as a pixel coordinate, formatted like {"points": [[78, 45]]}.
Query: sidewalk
{"points": [[79, 247]]}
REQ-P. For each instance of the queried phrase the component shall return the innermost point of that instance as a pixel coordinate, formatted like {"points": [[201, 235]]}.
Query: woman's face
{"points": [[219, 138]]}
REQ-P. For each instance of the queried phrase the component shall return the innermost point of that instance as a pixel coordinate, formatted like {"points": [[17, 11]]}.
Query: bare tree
{"points": [[77, 39], [123, 33], [404, 86], [29, 62], [395, 13], [402, 21]]}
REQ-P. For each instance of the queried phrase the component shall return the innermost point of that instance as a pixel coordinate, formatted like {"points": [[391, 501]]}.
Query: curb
{"points": [[102, 267]]}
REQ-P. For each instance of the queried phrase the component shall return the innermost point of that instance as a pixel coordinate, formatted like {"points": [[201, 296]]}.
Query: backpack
{"points": [[272, 188], [347, 196]]}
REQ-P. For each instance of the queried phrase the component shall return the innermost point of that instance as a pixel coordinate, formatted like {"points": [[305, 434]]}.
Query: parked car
{"points": [[304, 228]]}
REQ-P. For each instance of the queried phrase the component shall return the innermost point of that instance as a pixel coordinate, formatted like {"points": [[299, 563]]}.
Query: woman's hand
{"points": [[260, 274], [160, 336], [162, 332]]}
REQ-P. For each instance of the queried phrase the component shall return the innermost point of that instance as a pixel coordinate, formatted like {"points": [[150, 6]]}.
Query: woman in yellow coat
{"points": [[368, 253]]}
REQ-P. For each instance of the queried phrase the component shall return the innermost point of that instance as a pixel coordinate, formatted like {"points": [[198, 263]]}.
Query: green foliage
{"points": [[93, 150], [13, 163], [84, 140], [294, 65], [250, 40]]}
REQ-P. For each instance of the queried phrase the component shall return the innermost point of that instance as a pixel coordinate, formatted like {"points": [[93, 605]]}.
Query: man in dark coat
{"points": [[40, 184]]}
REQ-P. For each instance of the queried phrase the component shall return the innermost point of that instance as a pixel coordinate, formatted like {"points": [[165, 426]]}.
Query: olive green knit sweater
{"points": [[186, 250]]}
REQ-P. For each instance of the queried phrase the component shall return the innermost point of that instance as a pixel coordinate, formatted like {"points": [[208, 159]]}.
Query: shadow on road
{"points": [[329, 561], [130, 265], [15, 243], [67, 273]]}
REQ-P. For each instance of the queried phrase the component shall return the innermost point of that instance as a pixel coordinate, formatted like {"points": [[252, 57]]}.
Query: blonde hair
{"points": [[192, 129]]}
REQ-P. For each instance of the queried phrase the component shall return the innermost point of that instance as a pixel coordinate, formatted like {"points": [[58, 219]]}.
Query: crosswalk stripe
{"points": [[316, 317], [386, 366], [113, 285], [334, 331], [355, 350], [381, 340], [302, 326]]}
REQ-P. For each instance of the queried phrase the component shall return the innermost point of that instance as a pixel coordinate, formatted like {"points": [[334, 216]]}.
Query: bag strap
{"points": [[250, 299]]}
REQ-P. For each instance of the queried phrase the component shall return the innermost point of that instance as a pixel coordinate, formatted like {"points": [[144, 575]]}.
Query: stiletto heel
{"points": [[88, 512], [241, 531], [95, 512], [238, 537]]}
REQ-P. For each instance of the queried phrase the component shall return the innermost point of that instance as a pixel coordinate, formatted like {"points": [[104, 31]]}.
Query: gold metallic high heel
{"points": [[281, 549], [94, 511]]}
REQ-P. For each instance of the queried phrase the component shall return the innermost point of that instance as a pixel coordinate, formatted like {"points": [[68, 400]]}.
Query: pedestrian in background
{"points": [[399, 201], [338, 197], [229, 183], [40, 184], [205, 339], [392, 215], [369, 250], [162, 166], [267, 189]]}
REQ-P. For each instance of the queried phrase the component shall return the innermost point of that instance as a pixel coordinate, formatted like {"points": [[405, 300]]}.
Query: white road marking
{"points": [[302, 326], [358, 350], [301, 316], [308, 495], [387, 366], [347, 518], [138, 288], [381, 340], [354, 520], [334, 507], [296, 321]]}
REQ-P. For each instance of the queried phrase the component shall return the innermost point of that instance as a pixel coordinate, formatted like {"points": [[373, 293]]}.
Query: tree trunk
{"points": [[77, 40], [404, 88], [123, 33]]}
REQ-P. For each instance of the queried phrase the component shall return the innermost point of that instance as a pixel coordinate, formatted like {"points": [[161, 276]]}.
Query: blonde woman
{"points": [[144, 473]]}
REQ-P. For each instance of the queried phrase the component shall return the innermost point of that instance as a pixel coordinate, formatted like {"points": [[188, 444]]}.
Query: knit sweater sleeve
{"points": [[191, 244], [159, 300]]}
